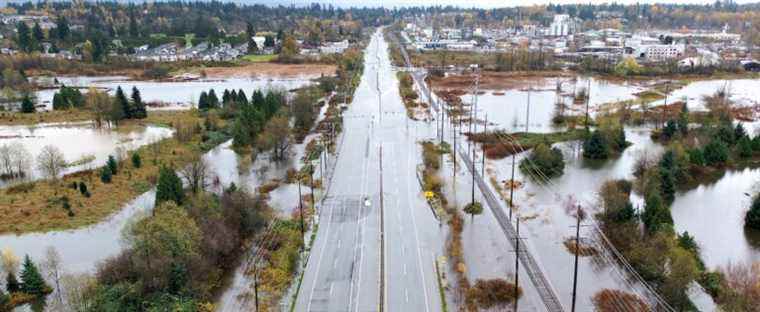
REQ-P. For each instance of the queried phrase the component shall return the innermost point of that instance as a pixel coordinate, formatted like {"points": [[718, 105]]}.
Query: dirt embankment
{"points": [[495, 80], [271, 70]]}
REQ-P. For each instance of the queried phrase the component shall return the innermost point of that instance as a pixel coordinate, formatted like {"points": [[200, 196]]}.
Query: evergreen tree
{"points": [[683, 120], [241, 97], [112, 164], [138, 106], [752, 218], [58, 102], [226, 97], [123, 103], [203, 101], [257, 99], [745, 147], [136, 161], [250, 33], [23, 37], [31, 280], [213, 101], [62, 28], [667, 184], [716, 152], [133, 31], [669, 130], [105, 175], [596, 147], [11, 283], [739, 132], [696, 157], [27, 106], [620, 139], [37, 32], [169, 187], [240, 135], [656, 215]]}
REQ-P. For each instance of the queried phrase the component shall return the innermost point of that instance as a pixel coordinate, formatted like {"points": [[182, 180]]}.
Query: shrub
{"points": [[493, 293], [596, 146], [474, 208], [716, 152], [609, 300], [745, 147], [169, 187], [543, 162], [83, 188], [696, 157], [112, 165], [136, 161], [105, 175]]}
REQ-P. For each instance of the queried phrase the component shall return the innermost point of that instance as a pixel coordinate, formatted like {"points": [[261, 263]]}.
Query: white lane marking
{"points": [[335, 262], [339, 243], [416, 234], [319, 261], [406, 296], [361, 222], [404, 269]]}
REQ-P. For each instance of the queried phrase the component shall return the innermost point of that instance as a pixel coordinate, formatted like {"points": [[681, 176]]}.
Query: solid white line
{"points": [[361, 222], [416, 234], [319, 261]]}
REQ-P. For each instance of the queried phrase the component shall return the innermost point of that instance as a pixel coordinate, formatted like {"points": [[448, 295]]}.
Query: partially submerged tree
{"points": [[51, 162]]}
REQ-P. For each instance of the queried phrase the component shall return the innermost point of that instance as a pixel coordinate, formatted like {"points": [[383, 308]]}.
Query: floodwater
{"points": [[173, 95], [79, 141], [549, 221], [510, 110], [714, 214], [742, 91], [104, 239]]}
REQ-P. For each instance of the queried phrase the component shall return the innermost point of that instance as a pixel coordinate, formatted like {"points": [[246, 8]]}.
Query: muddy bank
{"points": [[268, 70]]}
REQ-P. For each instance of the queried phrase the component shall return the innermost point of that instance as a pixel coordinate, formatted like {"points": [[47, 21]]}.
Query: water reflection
{"points": [[173, 94], [78, 141]]}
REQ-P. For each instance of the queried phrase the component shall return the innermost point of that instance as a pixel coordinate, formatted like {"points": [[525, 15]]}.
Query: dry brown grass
{"points": [[579, 249], [609, 300], [40, 208], [71, 115], [271, 70]]}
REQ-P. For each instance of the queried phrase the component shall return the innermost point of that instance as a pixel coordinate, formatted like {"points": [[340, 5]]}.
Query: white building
{"points": [[334, 47], [562, 26], [651, 49]]}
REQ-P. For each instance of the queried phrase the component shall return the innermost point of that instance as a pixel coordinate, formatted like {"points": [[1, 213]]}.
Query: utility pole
{"points": [[472, 172], [517, 262], [311, 183], [512, 184], [483, 147], [300, 208], [527, 113], [588, 99], [577, 252], [256, 284]]}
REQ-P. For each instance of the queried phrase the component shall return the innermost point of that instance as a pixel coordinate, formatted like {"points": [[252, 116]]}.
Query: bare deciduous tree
{"points": [[9, 261], [51, 162], [52, 265], [276, 136], [195, 174], [14, 160], [100, 104], [78, 292]]}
